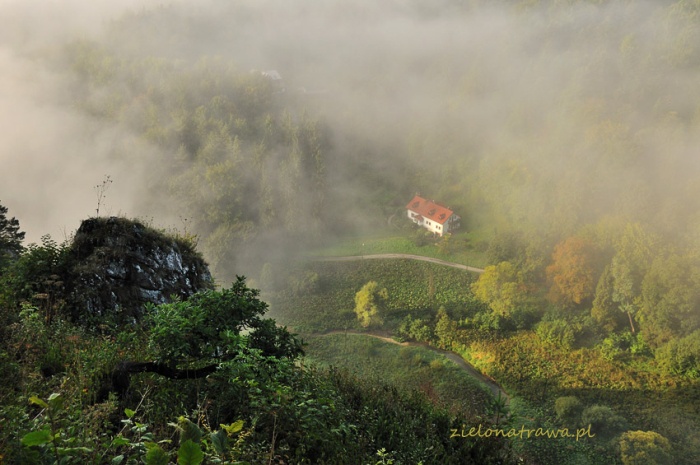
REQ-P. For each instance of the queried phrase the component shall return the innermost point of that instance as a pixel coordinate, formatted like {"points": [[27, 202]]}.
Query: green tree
{"points": [[644, 448], [634, 253], [445, 245], [670, 304], [681, 356], [445, 329], [369, 304], [603, 420], [10, 238], [506, 246], [502, 288], [605, 310], [196, 328], [191, 338], [568, 409]]}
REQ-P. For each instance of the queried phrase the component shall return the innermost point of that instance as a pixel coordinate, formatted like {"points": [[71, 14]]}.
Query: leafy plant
{"points": [[556, 331], [53, 436]]}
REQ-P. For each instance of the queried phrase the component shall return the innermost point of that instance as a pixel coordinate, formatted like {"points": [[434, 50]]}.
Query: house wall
{"points": [[428, 224], [432, 226]]}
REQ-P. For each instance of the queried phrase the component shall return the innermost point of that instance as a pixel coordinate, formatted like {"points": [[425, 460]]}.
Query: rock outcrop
{"points": [[119, 265]]}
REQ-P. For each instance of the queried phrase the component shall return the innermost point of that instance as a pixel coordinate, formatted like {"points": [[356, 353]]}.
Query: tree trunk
{"points": [[120, 378], [629, 315]]}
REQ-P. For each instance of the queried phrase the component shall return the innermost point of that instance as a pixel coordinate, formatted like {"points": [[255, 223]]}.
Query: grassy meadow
{"points": [[632, 390], [410, 367], [324, 299]]}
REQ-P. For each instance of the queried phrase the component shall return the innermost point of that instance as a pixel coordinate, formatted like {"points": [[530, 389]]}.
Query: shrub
{"points": [[568, 409], [681, 356], [616, 344], [557, 332], [422, 237], [38, 277], [603, 420], [436, 364], [644, 448], [415, 329]]}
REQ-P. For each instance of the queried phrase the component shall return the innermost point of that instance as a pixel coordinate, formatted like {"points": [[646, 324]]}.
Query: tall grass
{"points": [[408, 367]]}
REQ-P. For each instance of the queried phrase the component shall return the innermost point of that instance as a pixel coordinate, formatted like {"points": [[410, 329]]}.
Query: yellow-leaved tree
{"points": [[573, 272], [370, 303]]}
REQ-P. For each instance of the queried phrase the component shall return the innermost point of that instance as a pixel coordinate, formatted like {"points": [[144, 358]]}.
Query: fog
{"points": [[52, 156], [503, 105]]}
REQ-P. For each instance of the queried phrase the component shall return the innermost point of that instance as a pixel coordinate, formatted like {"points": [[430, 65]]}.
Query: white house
{"points": [[432, 216]]}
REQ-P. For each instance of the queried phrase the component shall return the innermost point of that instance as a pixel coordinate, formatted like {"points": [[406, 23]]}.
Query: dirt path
{"points": [[492, 385], [399, 255]]}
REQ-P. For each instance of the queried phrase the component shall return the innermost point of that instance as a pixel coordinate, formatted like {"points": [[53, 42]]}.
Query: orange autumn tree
{"points": [[573, 272]]}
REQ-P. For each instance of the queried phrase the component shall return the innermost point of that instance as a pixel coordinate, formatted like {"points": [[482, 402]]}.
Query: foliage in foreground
{"points": [[257, 406]]}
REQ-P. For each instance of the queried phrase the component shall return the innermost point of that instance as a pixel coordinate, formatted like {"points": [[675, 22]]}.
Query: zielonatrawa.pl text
{"points": [[522, 433]]}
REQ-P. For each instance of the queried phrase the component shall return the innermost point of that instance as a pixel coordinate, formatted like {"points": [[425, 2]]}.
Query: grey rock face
{"points": [[119, 266]]}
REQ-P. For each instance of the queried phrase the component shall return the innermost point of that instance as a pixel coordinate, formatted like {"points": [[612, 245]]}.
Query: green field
{"points": [[410, 368], [414, 287], [534, 373]]}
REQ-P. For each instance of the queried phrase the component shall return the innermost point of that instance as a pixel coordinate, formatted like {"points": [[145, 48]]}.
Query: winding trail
{"points": [[489, 382], [349, 258]]}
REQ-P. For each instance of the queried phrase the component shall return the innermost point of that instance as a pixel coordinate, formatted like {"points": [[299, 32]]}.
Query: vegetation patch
{"points": [[410, 368], [328, 303]]}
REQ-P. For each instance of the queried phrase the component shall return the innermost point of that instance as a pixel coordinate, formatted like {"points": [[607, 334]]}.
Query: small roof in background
{"points": [[272, 74]]}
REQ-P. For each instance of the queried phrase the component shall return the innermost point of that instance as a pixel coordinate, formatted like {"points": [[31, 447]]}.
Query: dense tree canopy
{"points": [[502, 288], [573, 271]]}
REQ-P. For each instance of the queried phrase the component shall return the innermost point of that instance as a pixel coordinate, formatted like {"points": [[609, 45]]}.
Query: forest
{"points": [[562, 132]]}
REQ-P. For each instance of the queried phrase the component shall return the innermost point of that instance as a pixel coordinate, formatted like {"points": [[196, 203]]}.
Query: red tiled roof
{"points": [[429, 209]]}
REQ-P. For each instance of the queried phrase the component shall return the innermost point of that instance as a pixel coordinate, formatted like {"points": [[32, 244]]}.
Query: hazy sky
{"points": [[413, 79], [52, 156]]}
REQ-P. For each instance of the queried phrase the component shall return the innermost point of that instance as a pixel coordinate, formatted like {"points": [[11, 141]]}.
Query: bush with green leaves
{"points": [[568, 409], [38, 277], [603, 420], [557, 332], [416, 329], [56, 440], [681, 356], [645, 448], [198, 328]]}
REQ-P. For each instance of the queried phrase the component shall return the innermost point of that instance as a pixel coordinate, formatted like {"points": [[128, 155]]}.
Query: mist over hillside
{"points": [[538, 116]]}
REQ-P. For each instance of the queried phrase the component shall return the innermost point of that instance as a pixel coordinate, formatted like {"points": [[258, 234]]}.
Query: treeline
{"points": [[238, 163], [568, 122], [583, 190], [616, 284]]}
